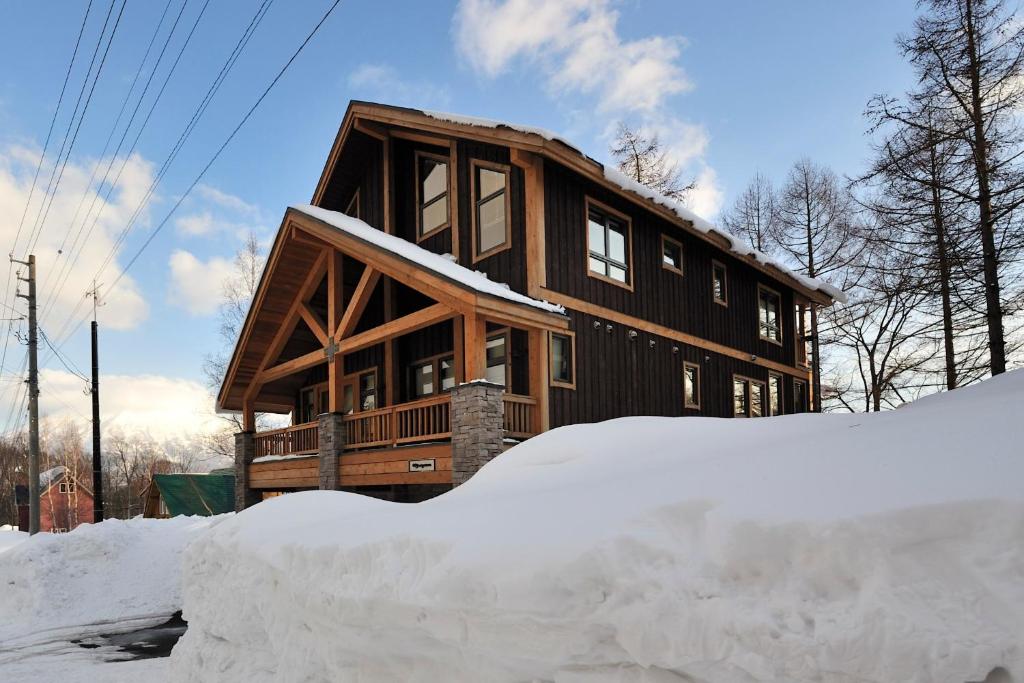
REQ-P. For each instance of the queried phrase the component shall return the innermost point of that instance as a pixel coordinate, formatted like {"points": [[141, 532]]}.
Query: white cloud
{"points": [[166, 408], [579, 49], [227, 201], [383, 82], [196, 285], [67, 254], [196, 224]]}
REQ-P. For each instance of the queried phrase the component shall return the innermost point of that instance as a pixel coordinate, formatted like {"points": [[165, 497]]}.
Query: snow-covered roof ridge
{"points": [[51, 475], [438, 263], [616, 177]]}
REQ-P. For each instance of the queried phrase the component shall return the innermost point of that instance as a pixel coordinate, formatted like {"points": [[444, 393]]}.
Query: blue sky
{"points": [[731, 88]]}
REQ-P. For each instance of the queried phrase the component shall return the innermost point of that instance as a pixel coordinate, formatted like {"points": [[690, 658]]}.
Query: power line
{"points": [[66, 362]]}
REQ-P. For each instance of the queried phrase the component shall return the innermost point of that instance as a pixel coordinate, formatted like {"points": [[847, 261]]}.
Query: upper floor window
{"points": [[719, 283], [563, 369], [67, 487], [490, 208], [608, 244], [353, 206], [671, 255], [768, 314], [431, 193], [748, 397]]}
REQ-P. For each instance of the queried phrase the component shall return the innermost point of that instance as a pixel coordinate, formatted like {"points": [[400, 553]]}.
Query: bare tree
{"points": [[643, 159], [814, 226], [13, 471], [752, 215], [969, 58]]}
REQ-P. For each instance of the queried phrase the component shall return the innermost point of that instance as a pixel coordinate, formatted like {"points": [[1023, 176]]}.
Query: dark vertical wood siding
{"points": [[403, 164], [361, 167], [661, 296], [418, 345]]}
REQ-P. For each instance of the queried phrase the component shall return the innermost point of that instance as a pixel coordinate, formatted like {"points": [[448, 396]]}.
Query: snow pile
{"points": [[838, 548], [440, 264], [95, 576], [10, 537], [616, 177]]}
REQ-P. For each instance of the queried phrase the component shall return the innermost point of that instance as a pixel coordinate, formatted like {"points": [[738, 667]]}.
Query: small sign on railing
{"points": [[421, 465]]}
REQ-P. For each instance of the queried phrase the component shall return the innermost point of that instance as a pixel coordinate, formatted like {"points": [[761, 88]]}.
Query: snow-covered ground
{"points": [[10, 537], [883, 547], [102, 578]]}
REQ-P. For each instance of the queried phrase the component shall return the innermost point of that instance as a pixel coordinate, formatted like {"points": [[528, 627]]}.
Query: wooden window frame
{"points": [[801, 406], [435, 363], [420, 235], [750, 382], [357, 393], [67, 487], [800, 310], [782, 392], [571, 336], [600, 206], [725, 283], [680, 270], [778, 313], [355, 200], [475, 164], [505, 332], [686, 404]]}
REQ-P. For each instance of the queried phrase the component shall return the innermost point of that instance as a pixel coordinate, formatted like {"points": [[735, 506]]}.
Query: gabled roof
{"points": [[558, 148]]}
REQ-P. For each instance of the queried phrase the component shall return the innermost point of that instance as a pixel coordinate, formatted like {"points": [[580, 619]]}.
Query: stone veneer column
{"points": [[477, 427], [331, 428], [245, 451]]}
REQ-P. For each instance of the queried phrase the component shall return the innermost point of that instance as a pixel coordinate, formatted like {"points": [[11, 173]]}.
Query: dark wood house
{"points": [[438, 250]]}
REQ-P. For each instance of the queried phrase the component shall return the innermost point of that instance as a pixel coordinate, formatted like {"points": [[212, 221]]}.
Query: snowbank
{"points": [[10, 537], [836, 548], [95, 576]]}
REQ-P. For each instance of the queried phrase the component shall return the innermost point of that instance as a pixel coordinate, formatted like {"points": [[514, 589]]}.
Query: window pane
{"points": [[775, 395], [597, 266], [433, 216], [434, 176], [691, 388], [616, 244], [496, 360], [447, 372], [671, 255], [739, 398], [561, 358], [347, 404], [719, 283], [368, 391], [490, 221], [596, 237], [488, 182], [756, 400], [616, 273], [423, 380]]}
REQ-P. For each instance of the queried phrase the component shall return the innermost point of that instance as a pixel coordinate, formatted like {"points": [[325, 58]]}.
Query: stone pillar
{"points": [[477, 427], [331, 428], [245, 451]]}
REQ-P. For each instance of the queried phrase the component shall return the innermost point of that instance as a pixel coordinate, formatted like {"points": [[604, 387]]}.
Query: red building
{"points": [[64, 502]]}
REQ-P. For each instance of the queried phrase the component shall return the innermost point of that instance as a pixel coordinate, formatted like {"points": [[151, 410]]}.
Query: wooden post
{"points": [[459, 349], [335, 310], [474, 341], [248, 416], [539, 362]]}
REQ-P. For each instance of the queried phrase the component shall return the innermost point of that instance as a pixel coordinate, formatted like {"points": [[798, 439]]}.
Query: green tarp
{"points": [[196, 494]]}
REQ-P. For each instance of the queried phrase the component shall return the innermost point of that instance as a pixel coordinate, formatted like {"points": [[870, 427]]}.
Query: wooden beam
{"points": [[248, 416], [388, 208], [453, 195], [361, 297], [372, 129], [536, 256], [474, 341], [537, 343], [430, 315], [335, 289], [459, 351], [290, 367], [422, 138], [316, 325]]}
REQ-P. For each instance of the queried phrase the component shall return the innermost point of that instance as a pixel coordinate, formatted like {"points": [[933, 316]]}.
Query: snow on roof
{"points": [[613, 175], [51, 475], [441, 265]]}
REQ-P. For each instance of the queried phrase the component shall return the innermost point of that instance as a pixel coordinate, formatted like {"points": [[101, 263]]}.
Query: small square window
{"points": [[719, 283], [563, 368], [67, 487], [671, 255]]}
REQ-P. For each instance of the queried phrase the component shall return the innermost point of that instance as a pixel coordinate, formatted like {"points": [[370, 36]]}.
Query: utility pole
{"points": [[97, 464], [33, 396]]}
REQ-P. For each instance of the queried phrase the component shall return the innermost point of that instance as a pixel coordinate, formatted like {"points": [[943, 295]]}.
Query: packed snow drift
{"points": [[882, 547], [98, 578]]}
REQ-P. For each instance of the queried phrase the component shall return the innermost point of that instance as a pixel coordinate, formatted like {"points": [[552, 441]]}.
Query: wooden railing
{"points": [[428, 419], [293, 440], [519, 416]]}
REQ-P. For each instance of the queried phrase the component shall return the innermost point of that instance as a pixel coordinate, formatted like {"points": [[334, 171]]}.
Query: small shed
{"points": [[169, 495]]}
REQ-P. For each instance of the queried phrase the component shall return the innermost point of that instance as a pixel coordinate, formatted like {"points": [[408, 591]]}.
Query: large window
{"points": [[608, 237], [691, 386], [748, 397], [563, 368], [671, 255], [775, 406], [490, 208], [769, 320], [497, 359], [719, 283], [431, 193], [432, 376]]}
